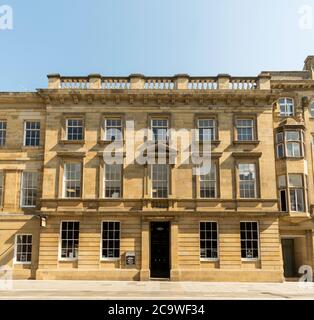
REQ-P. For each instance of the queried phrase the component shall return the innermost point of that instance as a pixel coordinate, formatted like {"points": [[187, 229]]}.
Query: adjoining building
{"points": [[66, 213]]}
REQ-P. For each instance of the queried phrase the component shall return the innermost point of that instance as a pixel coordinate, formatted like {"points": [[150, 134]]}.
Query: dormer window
{"points": [[286, 106]]}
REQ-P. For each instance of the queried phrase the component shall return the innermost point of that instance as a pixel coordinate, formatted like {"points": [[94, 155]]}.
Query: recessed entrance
{"points": [[288, 257], [160, 249]]}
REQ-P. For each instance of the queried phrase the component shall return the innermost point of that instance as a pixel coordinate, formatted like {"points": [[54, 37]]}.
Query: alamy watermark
{"points": [[6, 278], [6, 17], [306, 17]]}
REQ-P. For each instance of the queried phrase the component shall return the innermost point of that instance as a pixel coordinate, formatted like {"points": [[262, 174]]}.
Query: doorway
{"points": [[288, 257], [160, 250]]}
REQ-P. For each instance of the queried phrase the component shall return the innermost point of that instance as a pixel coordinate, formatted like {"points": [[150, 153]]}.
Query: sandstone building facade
{"points": [[67, 214]]}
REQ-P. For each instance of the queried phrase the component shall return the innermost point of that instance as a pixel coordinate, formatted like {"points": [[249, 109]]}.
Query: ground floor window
{"points": [[208, 240], [23, 248], [110, 239], [249, 240], [69, 239]]}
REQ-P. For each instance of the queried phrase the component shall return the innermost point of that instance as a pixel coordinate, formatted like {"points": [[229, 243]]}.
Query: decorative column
{"points": [[145, 272]]}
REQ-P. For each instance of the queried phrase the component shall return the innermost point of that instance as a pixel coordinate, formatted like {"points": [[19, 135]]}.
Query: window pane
{"points": [[110, 239], [160, 129], [282, 181], [112, 181], [249, 240], [292, 135], [29, 189], [295, 180], [208, 183], [208, 240], [160, 180], [247, 180], [32, 133], [72, 180], [69, 239], [245, 129], [74, 129], [23, 248], [3, 130], [113, 130]]}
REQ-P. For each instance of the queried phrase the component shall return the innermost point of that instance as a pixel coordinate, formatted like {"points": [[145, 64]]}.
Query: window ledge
{"points": [[209, 259], [109, 259], [21, 263], [67, 259], [72, 142], [250, 260], [106, 142], [290, 158], [213, 142], [246, 142]]}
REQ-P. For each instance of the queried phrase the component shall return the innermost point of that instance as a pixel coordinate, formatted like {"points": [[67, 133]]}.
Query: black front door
{"points": [[288, 257], [159, 250]]}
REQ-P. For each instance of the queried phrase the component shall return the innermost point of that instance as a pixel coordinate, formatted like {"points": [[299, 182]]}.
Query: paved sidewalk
{"points": [[105, 290]]}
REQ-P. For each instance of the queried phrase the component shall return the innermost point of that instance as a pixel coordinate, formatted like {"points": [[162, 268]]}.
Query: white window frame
{"points": [[3, 132], [64, 180], [60, 258], [101, 242], [15, 249], [258, 242], [159, 127], [213, 128], [67, 128], [106, 127], [168, 182], [218, 245], [293, 142], [24, 137], [213, 165], [245, 127], [286, 104], [23, 188], [255, 180], [302, 189], [106, 181]]}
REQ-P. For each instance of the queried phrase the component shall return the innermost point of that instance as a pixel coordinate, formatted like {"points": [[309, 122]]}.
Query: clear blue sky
{"points": [[153, 37]]}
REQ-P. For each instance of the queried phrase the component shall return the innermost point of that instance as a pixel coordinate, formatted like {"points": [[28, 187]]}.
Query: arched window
{"points": [[286, 106], [312, 109]]}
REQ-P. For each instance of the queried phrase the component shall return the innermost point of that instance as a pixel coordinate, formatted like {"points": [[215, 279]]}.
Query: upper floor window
{"points": [[3, 132], [249, 234], [296, 192], [112, 182], [110, 242], [208, 183], [31, 133], [286, 106], [206, 130], [74, 129], [247, 180], [289, 143], [159, 130], [113, 130], [72, 180], [69, 240], [312, 109], [29, 189], [245, 129], [1, 187], [160, 183], [23, 248], [208, 240]]}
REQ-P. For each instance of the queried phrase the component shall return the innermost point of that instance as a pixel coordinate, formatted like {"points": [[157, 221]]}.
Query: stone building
{"points": [[68, 214]]}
